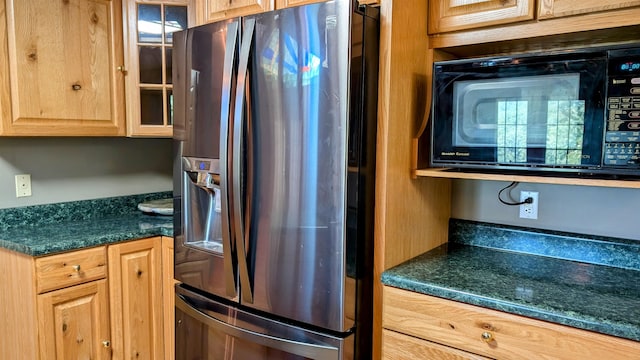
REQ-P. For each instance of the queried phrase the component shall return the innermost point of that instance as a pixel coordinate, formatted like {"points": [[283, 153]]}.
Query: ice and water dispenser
{"points": [[202, 204]]}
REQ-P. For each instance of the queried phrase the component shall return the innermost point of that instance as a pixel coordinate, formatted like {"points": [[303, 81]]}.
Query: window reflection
{"points": [[149, 23], [175, 19], [156, 24]]}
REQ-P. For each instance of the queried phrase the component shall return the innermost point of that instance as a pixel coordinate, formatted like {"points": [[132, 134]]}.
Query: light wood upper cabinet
{"points": [[451, 15], [148, 46], [62, 74], [556, 8], [74, 322], [135, 276], [214, 10], [280, 4]]}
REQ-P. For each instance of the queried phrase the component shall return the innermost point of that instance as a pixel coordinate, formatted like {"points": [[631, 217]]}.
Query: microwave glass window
{"points": [[515, 115]]}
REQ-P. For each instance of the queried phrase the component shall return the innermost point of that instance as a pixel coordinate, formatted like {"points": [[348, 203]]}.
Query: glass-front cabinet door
{"points": [[148, 35]]}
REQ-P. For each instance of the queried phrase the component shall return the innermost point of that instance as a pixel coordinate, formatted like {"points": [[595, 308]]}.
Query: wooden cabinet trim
{"points": [[168, 292]]}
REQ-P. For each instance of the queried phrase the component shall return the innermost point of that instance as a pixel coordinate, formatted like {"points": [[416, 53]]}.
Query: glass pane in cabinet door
{"points": [[175, 19], [149, 23], [150, 58], [169, 106], [151, 107], [167, 57]]}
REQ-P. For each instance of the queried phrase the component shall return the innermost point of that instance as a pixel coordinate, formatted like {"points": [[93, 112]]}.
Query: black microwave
{"points": [[573, 111]]}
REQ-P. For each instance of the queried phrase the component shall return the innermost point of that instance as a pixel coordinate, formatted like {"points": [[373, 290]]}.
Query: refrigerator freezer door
{"points": [[207, 329], [297, 163]]}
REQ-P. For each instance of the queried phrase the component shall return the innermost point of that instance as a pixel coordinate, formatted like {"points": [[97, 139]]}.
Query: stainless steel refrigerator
{"points": [[274, 134]]}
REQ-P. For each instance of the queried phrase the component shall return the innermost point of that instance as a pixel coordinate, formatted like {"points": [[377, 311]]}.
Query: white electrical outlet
{"points": [[530, 210], [23, 185]]}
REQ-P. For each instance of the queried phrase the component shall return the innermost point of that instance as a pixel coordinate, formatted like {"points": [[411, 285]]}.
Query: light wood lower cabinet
{"points": [[426, 320], [74, 322], [400, 346], [68, 306], [135, 278]]}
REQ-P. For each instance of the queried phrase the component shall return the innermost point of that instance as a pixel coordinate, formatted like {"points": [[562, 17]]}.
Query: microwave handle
{"points": [[238, 126], [225, 114]]}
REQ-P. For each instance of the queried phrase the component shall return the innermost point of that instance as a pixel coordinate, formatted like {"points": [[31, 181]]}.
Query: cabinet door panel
{"points": [[63, 57], [217, 10], [397, 346], [74, 322], [556, 8], [451, 15], [280, 4], [135, 276]]}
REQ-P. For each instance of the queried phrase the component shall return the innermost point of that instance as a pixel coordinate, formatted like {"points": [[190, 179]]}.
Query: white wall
{"points": [[580, 209], [70, 169]]}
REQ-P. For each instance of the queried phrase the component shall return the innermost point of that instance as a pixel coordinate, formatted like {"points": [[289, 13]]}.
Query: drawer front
{"points": [[59, 271], [493, 333], [397, 346]]}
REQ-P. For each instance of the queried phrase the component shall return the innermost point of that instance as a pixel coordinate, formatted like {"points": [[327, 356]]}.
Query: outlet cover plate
{"points": [[23, 185], [529, 211]]}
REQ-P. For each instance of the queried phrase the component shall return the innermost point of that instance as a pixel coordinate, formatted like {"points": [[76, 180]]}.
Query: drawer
{"points": [[397, 346], [62, 270], [495, 334]]}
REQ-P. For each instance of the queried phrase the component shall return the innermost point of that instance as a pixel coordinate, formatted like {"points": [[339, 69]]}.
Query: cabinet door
{"points": [[148, 29], [74, 322], [214, 10], [556, 8], [280, 4], [397, 346], [135, 283], [63, 61], [451, 15]]}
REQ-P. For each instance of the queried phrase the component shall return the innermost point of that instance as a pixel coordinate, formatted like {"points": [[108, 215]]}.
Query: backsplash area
{"points": [[591, 249], [578, 209], [72, 169]]}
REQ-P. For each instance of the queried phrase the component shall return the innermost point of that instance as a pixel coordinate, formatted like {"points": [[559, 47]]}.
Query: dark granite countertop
{"points": [[47, 229], [486, 265]]}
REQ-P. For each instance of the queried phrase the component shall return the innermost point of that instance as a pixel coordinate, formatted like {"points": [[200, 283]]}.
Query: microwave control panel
{"points": [[622, 135]]}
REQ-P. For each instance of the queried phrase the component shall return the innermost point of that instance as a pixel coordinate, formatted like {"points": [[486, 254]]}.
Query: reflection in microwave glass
{"points": [[564, 131]]}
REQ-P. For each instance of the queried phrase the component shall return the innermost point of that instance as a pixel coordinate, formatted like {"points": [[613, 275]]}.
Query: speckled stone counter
{"points": [[587, 282], [47, 229]]}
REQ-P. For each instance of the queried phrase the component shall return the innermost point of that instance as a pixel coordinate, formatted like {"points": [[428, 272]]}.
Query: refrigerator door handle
{"points": [[229, 58], [312, 351], [238, 126]]}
